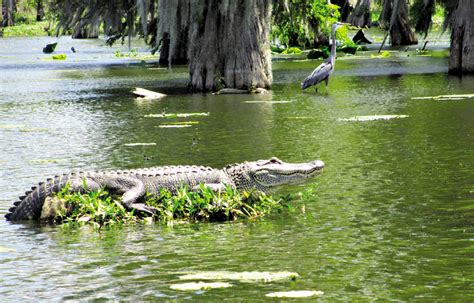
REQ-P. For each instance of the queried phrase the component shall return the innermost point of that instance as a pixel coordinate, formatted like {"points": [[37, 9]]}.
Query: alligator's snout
{"points": [[318, 164]]}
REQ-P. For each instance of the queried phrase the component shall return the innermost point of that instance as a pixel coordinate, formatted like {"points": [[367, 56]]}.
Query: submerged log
{"points": [[147, 94], [49, 48], [360, 38]]}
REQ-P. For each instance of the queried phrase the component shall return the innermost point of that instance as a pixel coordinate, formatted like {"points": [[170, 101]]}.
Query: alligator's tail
{"points": [[30, 205]]}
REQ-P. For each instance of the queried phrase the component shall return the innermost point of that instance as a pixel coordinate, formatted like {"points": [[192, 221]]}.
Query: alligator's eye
{"points": [[275, 160]]}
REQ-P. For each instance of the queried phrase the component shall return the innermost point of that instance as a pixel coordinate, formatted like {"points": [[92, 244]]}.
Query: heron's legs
{"points": [[327, 81]]}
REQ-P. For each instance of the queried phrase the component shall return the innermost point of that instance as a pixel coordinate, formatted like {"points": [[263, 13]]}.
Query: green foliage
{"points": [[100, 209], [384, 54], [342, 34], [209, 205], [26, 30], [95, 207], [292, 50], [132, 54], [296, 22], [59, 57], [375, 11]]}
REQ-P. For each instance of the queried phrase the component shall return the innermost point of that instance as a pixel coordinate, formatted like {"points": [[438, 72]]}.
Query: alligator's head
{"points": [[265, 174]]}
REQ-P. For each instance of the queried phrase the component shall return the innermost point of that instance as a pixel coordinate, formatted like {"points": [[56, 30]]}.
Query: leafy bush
{"points": [[298, 21], [59, 57], [292, 50], [100, 209], [26, 30]]}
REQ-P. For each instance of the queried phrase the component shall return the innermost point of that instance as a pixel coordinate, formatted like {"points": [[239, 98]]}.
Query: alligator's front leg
{"points": [[132, 190], [217, 187]]}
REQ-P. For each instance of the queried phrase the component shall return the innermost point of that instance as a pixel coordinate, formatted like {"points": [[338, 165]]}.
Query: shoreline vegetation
{"points": [[99, 209]]}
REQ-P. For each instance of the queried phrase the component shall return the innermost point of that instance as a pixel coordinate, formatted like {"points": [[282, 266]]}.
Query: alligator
{"points": [[133, 185]]}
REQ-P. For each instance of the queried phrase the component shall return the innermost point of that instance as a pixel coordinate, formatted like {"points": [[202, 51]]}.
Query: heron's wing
{"points": [[319, 74]]}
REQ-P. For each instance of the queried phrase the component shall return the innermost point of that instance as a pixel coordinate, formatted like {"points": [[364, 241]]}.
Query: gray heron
{"points": [[325, 69]]}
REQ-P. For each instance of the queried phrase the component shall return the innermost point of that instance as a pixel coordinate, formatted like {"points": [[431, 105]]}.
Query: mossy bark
{"points": [[360, 16], [229, 44], [344, 8], [462, 39], [173, 30], [8, 10], [87, 29], [394, 17]]}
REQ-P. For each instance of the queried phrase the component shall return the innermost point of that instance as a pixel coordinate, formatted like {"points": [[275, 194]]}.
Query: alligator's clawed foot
{"points": [[140, 207]]}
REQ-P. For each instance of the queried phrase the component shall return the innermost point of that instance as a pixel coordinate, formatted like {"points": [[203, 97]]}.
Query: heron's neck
{"points": [[333, 46]]}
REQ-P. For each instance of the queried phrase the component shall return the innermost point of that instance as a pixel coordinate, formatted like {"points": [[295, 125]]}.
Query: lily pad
{"points": [[183, 123], [372, 118], [45, 161], [268, 102], [33, 130], [59, 57], [181, 115], [384, 54], [140, 144], [246, 276], [445, 97], [295, 294], [6, 249], [199, 285], [174, 126], [11, 126]]}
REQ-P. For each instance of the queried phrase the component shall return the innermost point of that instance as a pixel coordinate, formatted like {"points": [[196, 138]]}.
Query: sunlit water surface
{"points": [[390, 219]]}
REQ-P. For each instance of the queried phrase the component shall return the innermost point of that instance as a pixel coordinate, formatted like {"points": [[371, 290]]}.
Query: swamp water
{"points": [[390, 218]]}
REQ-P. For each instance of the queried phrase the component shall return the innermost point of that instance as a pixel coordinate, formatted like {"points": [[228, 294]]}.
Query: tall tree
{"points": [[360, 16], [394, 18], [462, 38], [39, 10], [8, 11], [459, 18], [228, 44], [173, 30]]}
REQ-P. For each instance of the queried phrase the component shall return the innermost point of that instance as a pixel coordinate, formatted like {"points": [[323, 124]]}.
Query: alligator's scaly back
{"points": [[133, 184], [29, 206]]}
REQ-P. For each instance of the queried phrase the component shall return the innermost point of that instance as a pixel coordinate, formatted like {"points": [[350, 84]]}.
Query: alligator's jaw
{"points": [[266, 174]]}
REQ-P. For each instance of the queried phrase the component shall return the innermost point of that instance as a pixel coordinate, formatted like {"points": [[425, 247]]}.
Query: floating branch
{"points": [[372, 118], [147, 94], [445, 97], [184, 115]]}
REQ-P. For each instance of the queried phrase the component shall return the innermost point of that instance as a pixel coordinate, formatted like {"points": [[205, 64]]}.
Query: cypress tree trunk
{"points": [[228, 44], [394, 16], [461, 59], [87, 29], [360, 16], [8, 10], [39, 10], [344, 8], [173, 30]]}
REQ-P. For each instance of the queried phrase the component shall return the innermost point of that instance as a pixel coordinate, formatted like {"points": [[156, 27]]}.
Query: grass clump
{"points": [[203, 205], [59, 57], [94, 207], [292, 50]]}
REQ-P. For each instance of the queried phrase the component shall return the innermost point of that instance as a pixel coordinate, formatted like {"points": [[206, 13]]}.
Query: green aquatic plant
{"points": [[204, 204], [292, 50], [132, 54], [384, 54], [59, 57]]}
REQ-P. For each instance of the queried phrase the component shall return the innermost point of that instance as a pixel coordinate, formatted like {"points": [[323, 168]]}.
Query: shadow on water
{"points": [[390, 218]]}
